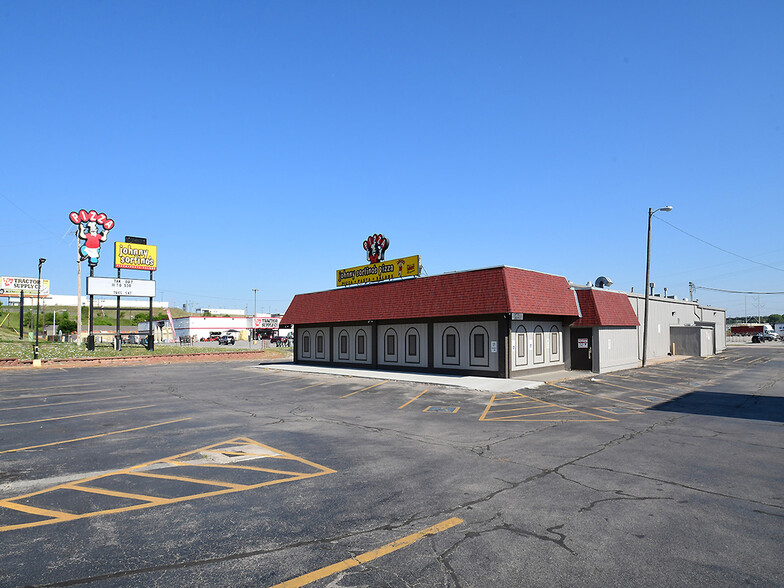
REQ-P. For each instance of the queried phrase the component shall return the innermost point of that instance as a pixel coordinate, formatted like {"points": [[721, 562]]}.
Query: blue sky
{"points": [[257, 144]]}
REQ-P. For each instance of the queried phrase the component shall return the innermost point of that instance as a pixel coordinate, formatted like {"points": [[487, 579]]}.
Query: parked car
{"points": [[226, 340], [769, 336], [280, 341]]}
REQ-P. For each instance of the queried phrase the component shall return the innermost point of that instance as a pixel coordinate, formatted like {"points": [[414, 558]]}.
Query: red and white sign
{"points": [[582, 343], [266, 322]]}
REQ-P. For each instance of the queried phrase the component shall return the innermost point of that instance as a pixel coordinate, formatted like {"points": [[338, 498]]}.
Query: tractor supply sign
{"points": [[405, 267], [133, 256], [266, 322], [15, 286]]}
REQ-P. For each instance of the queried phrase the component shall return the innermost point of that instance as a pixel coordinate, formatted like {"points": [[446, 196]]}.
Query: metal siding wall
{"points": [[616, 348]]}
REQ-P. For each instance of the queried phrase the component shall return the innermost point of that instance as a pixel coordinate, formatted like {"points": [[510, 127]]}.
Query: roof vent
{"points": [[602, 282]]}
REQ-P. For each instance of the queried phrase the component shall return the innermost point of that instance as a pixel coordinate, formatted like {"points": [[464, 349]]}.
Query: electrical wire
{"points": [[717, 247], [735, 291]]}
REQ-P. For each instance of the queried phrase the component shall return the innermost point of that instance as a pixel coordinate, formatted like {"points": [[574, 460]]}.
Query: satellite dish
{"points": [[602, 282]]}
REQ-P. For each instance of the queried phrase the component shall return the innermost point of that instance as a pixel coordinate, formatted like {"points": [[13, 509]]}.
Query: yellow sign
{"points": [[133, 256], [405, 267]]}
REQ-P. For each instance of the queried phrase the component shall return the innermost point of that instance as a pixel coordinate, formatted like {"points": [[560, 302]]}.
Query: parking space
{"points": [[234, 474]]}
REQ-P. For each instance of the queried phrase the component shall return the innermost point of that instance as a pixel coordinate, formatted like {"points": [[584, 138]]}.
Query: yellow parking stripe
{"points": [[73, 416], [53, 404], [54, 395], [412, 400], [368, 555], [115, 493], [363, 389], [94, 436], [311, 386], [609, 399], [187, 479], [55, 516], [43, 512], [44, 388]]}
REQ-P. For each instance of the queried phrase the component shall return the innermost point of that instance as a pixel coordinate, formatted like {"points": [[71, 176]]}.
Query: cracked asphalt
{"points": [[669, 475]]}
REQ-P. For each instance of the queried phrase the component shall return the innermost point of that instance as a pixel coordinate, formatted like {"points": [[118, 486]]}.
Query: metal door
{"points": [[581, 345]]}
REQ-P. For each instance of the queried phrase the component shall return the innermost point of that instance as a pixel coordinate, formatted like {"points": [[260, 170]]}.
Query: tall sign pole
{"points": [[78, 291]]}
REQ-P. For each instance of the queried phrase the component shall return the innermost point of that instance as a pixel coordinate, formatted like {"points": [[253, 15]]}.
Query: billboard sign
{"points": [[405, 267], [266, 322], [120, 287], [92, 228], [14, 286], [135, 256]]}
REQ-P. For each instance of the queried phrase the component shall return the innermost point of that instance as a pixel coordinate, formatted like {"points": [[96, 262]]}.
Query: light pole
{"points": [[651, 212], [41, 261], [253, 324]]}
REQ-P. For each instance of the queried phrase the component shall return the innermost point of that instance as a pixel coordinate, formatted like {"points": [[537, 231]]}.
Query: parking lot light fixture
{"points": [[651, 212], [41, 261]]}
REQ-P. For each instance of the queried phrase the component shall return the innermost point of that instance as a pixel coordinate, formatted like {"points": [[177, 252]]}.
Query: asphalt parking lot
{"points": [[236, 474]]}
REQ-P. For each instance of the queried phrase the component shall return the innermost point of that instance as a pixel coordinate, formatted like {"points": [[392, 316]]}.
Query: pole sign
{"points": [[135, 256], [120, 287], [14, 286], [378, 269], [92, 228]]}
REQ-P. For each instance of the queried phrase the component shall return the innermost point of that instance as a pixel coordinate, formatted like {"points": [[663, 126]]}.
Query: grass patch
{"points": [[49, 350]]}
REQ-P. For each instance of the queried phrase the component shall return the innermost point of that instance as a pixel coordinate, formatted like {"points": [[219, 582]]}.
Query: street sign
{"points": [[120, 287]]}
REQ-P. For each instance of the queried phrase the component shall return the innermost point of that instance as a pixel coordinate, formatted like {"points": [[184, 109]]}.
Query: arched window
{"points": [[319, 344], [450, 347], [479, 342], [390, 345], [306, 344], [538, 344], [343, 344], [412, 346], [361, 345], [521, 346], [555, 344]]}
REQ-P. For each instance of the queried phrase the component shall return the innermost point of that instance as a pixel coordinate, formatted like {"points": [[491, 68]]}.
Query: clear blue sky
{"points": [[257, 144]]}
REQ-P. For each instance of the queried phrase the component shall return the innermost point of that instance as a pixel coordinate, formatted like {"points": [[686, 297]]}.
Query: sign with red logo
{"points": [[378, 270], [92, 228]]}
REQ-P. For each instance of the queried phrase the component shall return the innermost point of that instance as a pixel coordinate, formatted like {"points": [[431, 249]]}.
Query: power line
{"points": [[717, 247], [735, 291]]}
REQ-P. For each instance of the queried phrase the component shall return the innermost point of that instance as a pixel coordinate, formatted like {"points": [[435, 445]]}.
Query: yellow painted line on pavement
{"points": [[53, 395], [363, 389], [50, 404], [368, 555], [609, 399], [412, 400], [56, 516], [311, 386], [94, 436], [487, 408], [188, 479], [45, 388], [115, 493], [73, 416]]}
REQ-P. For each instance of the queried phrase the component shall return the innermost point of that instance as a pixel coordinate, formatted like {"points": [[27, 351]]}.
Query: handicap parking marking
{"points": [[533, 409], [450, 409], [230, 466]]}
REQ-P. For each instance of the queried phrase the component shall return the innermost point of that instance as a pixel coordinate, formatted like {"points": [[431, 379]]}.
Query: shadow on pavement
{"points": [[738, 406]]}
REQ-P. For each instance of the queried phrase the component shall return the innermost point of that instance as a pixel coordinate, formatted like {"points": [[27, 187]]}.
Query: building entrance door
{"points": [[582, 349]]}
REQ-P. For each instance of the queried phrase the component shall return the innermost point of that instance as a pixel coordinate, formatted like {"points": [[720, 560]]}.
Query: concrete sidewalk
{"points": [[494, 385]]}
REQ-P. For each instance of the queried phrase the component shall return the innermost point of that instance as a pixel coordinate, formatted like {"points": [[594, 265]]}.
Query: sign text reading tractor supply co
{"points": [[405, 267], [133, 256], [15, 286]]}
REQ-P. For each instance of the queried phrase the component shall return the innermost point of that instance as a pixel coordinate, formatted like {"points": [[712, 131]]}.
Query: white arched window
{"points": [[360, 346], [305, 344], [555, 344], [521, 346], [320, 354], [412, 345], [390, 345], [538, 344], [450, 347], [343, 352], [479, 342]]}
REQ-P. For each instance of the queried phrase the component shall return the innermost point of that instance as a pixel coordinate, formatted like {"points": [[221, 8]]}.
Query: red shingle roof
{"points": [[488, 291], [601, 308]]}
